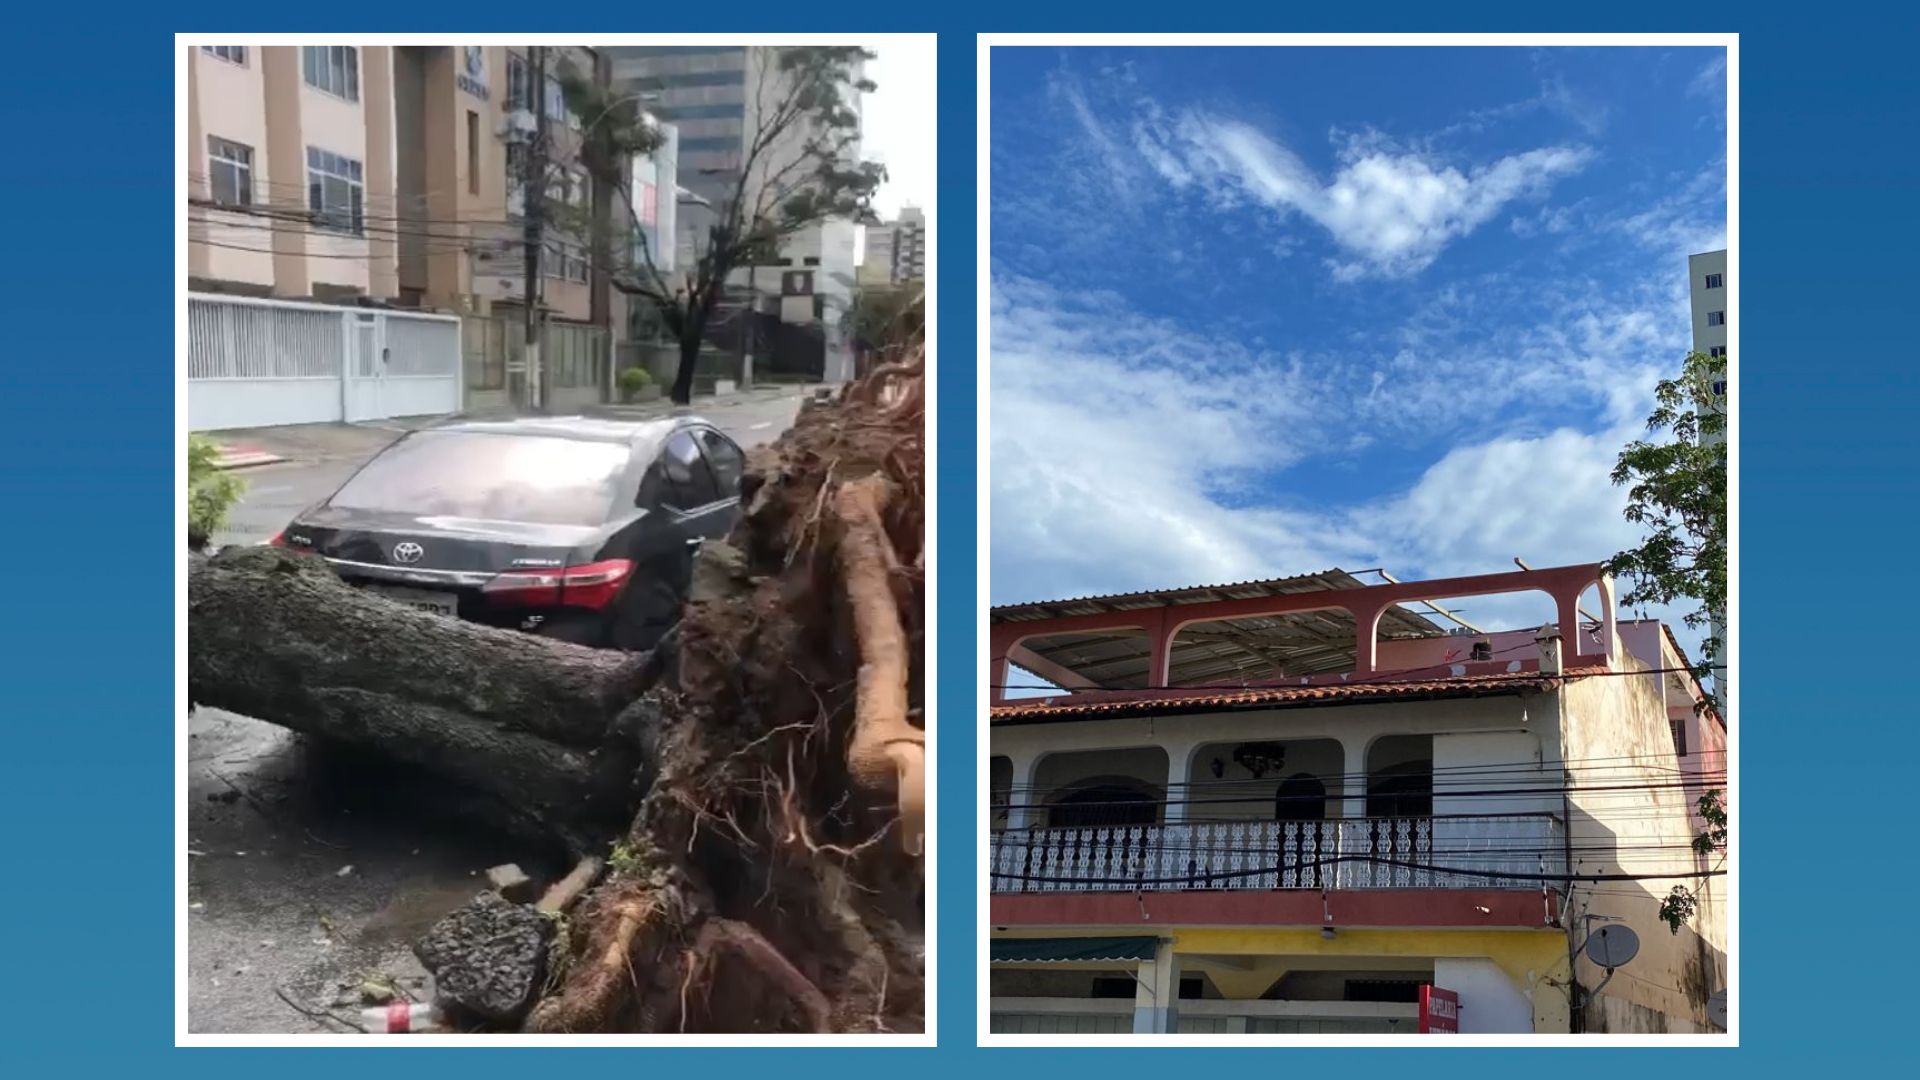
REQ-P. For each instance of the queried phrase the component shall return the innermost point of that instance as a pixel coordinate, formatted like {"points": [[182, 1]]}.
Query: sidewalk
{"points": [[648, 410], [252, 447]]}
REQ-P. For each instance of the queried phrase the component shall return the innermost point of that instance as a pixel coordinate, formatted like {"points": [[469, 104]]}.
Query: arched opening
{"points": [[1402, 790], [1464, 635], [1000, 784], [1106, 801], [1399, 825], [1300, 797], [1595, 607]]}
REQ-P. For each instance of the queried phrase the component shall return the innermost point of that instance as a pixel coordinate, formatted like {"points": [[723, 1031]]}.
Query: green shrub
{"points": [[633, 381], [211, 491]]}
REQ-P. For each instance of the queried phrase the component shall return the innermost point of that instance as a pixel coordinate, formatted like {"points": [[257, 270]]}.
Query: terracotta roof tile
{"points": [[1205, 699]]}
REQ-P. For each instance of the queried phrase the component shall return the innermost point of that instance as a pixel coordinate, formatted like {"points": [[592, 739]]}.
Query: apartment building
{"points": [[394, 176], [896, 250], [876, 262], [386, 173], [292, 171], [1707, 291], [1310, 804], [1707, 288], [910, 245]]}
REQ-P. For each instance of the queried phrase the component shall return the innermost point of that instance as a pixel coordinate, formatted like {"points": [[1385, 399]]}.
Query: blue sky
{"points": [[1261, 311]]}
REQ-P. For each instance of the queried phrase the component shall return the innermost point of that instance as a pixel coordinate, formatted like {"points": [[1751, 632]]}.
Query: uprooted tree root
{"points": [[771, 879]]}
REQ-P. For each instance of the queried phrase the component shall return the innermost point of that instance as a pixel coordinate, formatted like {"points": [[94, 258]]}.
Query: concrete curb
{"points": [[243, 458]]}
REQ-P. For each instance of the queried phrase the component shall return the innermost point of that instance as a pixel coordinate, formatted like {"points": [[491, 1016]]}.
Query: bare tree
{"points": [[797, 169]]}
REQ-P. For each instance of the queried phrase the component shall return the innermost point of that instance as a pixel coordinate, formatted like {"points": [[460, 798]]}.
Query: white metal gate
{"points": [[264, 363]]}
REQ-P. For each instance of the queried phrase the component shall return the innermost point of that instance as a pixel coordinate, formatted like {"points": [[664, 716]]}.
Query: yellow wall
{"points": [[1536, 960]]}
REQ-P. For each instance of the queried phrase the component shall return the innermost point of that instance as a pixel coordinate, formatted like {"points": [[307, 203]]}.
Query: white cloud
{"points": [[1711, 81], [1130, 452], [1391, 210]]}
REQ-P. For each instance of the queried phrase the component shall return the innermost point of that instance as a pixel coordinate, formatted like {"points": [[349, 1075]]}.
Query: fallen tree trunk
{"points": [[553, 730], [771, 878]]}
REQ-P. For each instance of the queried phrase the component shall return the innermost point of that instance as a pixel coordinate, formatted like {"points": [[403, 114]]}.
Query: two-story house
{"points": [[1289, 805]]}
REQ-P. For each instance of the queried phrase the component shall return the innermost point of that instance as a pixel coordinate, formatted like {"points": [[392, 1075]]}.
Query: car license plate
{"points": [[440, 603]]}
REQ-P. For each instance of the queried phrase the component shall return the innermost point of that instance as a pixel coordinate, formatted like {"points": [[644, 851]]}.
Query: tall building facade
{"points": [[292, 171], [389, 174], [910, 245], [1707, 289], [876, 262]]}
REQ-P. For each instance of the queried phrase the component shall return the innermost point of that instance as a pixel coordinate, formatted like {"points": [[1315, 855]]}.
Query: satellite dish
{"points": [[1717, 1009], [1613, 946]]}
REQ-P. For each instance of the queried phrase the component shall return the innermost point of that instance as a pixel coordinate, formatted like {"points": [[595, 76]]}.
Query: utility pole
{"points": [[534, 204]]}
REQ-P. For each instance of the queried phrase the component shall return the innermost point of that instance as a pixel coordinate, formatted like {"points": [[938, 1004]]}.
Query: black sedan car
{"points": [[575, 528]]}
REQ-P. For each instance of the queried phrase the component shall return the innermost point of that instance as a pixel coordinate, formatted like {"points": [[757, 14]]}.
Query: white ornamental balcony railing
{"points": [[1507, 851]]}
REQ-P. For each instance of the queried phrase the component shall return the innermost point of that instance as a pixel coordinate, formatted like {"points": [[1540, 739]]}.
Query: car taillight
{"points": [[594, 585], [279, 539]]}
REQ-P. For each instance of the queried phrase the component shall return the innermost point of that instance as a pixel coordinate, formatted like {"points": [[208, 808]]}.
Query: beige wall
{"points": [[410, 132], [1704, 300], [1615, 734], [267, 106], [226, 101]]}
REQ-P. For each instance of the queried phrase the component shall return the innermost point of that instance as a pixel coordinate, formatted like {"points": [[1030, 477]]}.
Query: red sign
{"points": [[1439, 1011]]}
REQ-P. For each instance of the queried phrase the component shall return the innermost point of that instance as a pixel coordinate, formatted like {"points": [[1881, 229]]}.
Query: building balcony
{"points": [[1479, 852]]}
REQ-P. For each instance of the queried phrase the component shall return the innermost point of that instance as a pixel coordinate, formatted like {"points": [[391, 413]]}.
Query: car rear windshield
{"points": [[537, 479]]}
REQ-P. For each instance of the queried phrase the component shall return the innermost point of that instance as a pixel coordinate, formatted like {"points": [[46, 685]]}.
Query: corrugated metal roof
{"points": [[1259, 647], [1335, 578], [1185, 701]]}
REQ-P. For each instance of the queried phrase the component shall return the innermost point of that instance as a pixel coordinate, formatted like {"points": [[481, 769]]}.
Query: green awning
{"points": [[1072, 949]]}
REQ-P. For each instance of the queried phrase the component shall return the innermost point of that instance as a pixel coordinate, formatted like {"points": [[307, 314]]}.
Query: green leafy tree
{"points": [[1680, 904], [797, 169], [1677, 490], [211, 491]]}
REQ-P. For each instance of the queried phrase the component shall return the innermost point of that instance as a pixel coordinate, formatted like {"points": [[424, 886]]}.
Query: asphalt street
{"points": [[310, 870]]}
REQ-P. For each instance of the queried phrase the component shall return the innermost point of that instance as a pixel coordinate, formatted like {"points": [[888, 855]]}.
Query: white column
{"points": [[1353, 786], [1179, 756], [1156, 993], [1020, 795]]}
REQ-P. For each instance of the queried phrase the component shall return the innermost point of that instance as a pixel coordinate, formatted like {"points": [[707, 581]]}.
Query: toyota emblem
{"points": [[407, 552]]}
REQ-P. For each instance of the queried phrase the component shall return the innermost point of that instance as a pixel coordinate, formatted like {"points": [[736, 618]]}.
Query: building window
{"points": [[516, 82], [230, 172], [236, 54], [1715, 281], [557, 104], [1716, 318], [1678, 728], [473, 152], [334, 192], [1716, 350], [564, 262], [333, 68]]}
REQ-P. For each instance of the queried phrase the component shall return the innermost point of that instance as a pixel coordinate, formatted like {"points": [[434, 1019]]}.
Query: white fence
{"points": [[264, 363], [1509, 851]]}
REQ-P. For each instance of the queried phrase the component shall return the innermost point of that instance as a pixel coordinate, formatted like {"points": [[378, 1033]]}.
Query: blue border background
{"points": [[1830, 166]]}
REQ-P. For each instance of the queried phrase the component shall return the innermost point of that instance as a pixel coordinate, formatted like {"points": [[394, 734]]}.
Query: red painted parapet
{"points": [[1366, 604]]}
